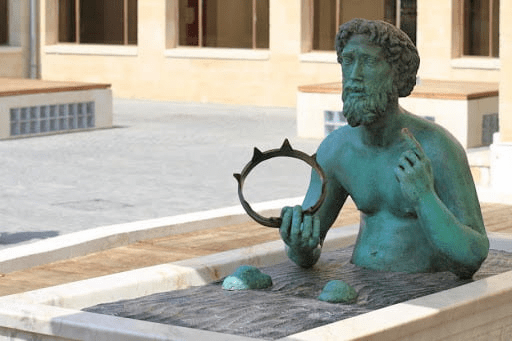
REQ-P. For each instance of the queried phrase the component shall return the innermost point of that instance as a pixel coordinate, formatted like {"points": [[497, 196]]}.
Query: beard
{"points": [[364, 106]]}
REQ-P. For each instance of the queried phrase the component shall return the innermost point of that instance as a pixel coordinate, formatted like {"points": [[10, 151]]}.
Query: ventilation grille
{"points": [[333, 120], [490, 125], [51, 118]]}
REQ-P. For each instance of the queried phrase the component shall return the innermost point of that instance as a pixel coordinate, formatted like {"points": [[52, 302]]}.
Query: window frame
{"points": [[200, 44], [309, 25], [78, 22], [4, 41], [337, 23], [466, 34], [459, 60]]}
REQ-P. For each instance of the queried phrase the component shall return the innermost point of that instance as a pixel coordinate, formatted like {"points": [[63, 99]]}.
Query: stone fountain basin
{"points": [[479, 310]]}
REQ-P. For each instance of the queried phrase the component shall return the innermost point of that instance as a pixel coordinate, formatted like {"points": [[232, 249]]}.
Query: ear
{"points": [[405, 85]]}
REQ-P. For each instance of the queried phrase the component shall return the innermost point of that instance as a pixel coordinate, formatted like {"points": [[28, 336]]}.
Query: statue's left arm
{"points": [[446, 203]]}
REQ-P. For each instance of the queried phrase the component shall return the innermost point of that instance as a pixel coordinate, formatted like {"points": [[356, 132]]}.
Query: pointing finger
{"points": [[412, 142]]}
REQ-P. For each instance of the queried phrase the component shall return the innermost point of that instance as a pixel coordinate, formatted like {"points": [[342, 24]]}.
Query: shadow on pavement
{"points": [[18, 237]]}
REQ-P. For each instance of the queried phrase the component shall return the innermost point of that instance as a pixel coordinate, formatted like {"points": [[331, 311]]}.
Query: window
{"points": [[481, 28], [224, 23], [4, 23], [328, 15], [98, 22]]}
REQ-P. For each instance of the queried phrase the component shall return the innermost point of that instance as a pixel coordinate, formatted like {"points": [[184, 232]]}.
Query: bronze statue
{"points": [[409, 177]]}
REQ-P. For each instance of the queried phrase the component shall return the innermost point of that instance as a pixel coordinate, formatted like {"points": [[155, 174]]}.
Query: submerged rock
{"points": [[338, 292], [247, 277]]}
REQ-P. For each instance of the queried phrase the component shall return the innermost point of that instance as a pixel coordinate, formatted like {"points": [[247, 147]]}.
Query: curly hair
{"points": [[399, 50]]}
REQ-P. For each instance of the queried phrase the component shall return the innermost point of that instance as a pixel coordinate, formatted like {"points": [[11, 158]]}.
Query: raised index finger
{"points": [[412, 143]]}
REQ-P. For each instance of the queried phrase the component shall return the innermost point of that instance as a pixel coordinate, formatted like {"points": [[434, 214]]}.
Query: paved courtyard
{"points": [[161, 159]]}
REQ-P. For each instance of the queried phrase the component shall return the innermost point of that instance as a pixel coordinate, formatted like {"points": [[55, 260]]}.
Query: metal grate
{"points": [[52, 118]]}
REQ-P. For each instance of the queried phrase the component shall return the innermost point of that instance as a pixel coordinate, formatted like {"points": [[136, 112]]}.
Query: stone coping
{"points": [[427, 88], [107, 237], [22, 86]]}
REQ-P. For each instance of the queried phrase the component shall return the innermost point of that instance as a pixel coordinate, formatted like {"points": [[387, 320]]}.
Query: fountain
{"points": [[479, 308]]}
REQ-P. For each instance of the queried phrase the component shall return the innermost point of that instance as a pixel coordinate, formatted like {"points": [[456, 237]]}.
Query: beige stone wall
{"points": [[439, 44], [14, 57], [506, 74], [262, 77], [12, 62], [160, 69]]}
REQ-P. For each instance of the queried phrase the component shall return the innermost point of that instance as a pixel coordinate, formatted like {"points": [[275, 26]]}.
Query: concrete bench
{"points": [[36, 107], [469, 110]]}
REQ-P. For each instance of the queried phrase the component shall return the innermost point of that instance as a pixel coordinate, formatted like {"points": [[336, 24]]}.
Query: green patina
{"points": [[247, 277], [409, 177], [338, 292]]}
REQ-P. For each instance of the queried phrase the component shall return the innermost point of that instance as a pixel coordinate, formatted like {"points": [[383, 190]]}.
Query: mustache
{"points": [[354, 88], [350, 90]]}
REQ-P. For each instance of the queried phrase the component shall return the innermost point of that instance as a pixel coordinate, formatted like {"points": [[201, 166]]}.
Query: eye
{"points": [[371, 61], [346, 60]]}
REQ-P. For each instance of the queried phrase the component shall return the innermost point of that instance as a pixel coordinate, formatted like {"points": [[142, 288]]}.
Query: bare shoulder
{"points": [[437, 142], [452, 176], [337, 144]]}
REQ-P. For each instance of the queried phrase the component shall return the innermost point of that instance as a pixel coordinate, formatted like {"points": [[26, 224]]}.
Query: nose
{"points": [[356, 71]]}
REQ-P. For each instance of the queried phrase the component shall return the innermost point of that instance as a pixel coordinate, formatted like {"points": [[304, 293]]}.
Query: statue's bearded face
{"points": [[367, 82], [365, 104]]}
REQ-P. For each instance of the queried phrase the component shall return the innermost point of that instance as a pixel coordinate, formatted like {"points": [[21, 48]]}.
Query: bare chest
{"points": [[371, 182]]}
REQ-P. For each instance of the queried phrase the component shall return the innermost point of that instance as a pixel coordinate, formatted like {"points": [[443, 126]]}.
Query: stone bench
{"points": [[469, 110], [36, 107]]}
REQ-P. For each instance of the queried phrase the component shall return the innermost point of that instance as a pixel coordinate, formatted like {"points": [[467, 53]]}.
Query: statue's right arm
{"points": [[304, 234]]}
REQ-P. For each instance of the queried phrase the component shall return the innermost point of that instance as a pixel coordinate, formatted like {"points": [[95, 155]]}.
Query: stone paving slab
{"points": [[161, 159]]}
